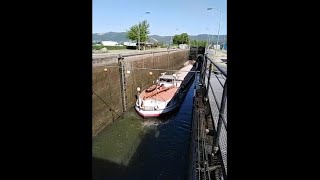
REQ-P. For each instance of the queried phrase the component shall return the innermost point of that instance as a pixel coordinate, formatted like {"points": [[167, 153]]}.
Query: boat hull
{"points": [[155, 113], [175, 101]]}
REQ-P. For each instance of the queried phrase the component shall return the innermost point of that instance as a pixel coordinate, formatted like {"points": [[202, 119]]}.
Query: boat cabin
{"points": [[168, 80]]}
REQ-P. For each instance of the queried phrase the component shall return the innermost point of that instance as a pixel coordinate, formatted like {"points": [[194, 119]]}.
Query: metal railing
{"points": [[209, 127], [216, 94]]}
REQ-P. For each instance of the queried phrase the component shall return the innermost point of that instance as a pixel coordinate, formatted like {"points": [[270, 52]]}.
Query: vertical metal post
{"points": [[218, 33], [168, 59], [221, 114], [209, 80], [152, 59], [123, 86], [204, 69], [195, 85]]}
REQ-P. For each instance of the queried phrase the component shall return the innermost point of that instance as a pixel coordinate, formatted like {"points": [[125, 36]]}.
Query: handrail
{"points": [[224, 72]]}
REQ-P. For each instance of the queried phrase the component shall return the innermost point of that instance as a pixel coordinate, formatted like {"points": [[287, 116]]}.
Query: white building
{"points": [[109, 43], [183, 46], [129, 44]]}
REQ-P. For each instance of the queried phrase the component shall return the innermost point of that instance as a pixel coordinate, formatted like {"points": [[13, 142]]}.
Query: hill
{"points": [[121, 37]]}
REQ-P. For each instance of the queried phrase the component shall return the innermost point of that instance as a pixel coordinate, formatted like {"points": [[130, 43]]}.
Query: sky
{"points": [[167, 17]]}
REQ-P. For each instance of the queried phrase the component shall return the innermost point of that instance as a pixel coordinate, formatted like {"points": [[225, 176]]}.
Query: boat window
{"points": [[166, 80]]}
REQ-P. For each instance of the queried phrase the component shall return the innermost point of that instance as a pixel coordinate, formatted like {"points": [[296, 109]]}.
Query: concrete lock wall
{"points": [[107, 84]]}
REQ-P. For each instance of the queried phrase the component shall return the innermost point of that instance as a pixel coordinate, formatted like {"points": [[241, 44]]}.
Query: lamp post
{"points": [[215, 52], [171, 42], [208, 39], [177, 34], [139, 32]]}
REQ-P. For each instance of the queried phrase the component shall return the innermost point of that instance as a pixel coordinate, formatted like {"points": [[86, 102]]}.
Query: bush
{"points": [[97, 47]]}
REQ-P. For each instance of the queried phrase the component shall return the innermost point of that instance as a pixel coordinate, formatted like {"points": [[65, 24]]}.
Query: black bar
{"points": [[221, 113], [204, 69], [210, 66], [219, 80]]}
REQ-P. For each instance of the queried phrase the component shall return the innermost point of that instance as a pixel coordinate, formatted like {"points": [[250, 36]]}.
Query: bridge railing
{"points": [[216, 94], [208, 147]]}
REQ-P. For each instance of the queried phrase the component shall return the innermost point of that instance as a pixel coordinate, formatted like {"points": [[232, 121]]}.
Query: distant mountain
{"points": [[110, 36], [120, 37]]}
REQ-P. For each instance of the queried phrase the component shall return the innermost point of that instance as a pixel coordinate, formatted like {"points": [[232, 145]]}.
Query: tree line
{"points": [[142, 30]]}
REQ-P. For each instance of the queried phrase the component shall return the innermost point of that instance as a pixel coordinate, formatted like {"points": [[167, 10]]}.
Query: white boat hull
{"points": [[155, 113], [165, 97]]}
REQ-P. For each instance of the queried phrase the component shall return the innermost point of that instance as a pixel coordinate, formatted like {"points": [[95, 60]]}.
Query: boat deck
{"points": [[168, 94], [182, 72], [162, 96]]}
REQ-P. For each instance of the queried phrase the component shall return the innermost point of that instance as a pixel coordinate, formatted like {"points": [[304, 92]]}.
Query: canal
{"points": [[137, 148]]}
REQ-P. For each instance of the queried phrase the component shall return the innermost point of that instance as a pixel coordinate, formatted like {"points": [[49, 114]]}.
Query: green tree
{"points": [[184, 38], [133, 33], [198, 43], [181, 39], [176, 39]]}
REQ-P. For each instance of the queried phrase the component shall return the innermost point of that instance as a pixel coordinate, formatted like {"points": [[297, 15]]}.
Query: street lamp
{"points": [[177, 34], [215, 52], [208, 39], [139, 32]]}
